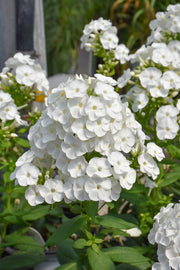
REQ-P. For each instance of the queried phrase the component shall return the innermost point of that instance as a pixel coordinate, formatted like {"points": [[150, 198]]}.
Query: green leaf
{"points": [[173, 151], [125, 266], [114, 222], [23, 242], [37, 212], [128, 255], [22, 142], [70, 266], [21, 260], [91, 208], [66, 229], [65, 251], [80, 243], [136, 17], [98, 260], [170, 177], [6, 177]]}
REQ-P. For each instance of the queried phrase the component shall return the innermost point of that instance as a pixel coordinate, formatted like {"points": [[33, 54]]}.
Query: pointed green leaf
{"points": [[91, 208], [114, 222], [170, 177], [98, 260], [37, 212], [65, 251], [22, 142], [21, 260], [66, 229], [128, 255], [80, 243]]}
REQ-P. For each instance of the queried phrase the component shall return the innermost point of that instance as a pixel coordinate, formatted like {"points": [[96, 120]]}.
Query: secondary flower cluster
{"points": [[156, 80], [100, 33], [83, 146], [8, 109], [23, 71], [165, 233], [166, 25]]}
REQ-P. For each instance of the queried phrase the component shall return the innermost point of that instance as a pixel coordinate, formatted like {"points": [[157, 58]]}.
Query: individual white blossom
{"points": [[121, 53], [155, 151], [27, 174], [109, 39], [148, 165], [149, 76], [52, 191], [33, 196]]}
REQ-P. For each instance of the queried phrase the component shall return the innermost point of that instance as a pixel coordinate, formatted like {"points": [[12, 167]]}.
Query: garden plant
{"points": [[102, 166]]}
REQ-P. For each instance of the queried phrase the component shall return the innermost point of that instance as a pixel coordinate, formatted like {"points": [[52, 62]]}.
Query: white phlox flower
{"points": [[148, 165], [84, 140], [165, 233], [124, 140], [27, 157], [27, 72], [77, 167], [99, 189], [121, 53], [102, 29], [52, 191], [95, 108], [167, 126], [149, 76], [109, 39], [27, 174], [99, 167], [9, 110], [33, 196], [127, 179], [155, 151]]}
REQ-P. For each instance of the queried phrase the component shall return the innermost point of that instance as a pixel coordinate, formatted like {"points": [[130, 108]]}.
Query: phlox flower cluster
{"points": [[85, 141], [9, 110], [156, 77], [26, 71], [100, 33], [165, 233], [166, 25]]}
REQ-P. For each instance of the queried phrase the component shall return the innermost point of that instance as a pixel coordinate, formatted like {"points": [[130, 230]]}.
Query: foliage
{"points": [[99, 215], [64, 22]]}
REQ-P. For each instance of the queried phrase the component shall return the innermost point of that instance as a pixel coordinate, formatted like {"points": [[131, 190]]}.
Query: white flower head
{"points": [[27, 174], [109, 39], [121, 53]]}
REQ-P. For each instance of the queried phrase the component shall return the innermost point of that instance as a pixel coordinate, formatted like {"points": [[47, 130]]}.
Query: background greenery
{"points": [[65, 20]]}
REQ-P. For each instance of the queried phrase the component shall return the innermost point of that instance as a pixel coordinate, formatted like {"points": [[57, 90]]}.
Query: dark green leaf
{"points": [[91, 208], [21, 260], [65, 251], [125, 266], [128, 255], [98, 260], [114, 222], [37, 212], [173, 151], [170, 177], [66, 229], [22, 142]]}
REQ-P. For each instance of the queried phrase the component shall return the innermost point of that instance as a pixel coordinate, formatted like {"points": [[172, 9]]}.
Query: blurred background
{"points": [[65, 20]]}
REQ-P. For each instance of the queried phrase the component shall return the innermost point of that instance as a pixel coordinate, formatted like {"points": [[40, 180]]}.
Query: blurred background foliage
{"points": [[65, 20]]}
